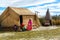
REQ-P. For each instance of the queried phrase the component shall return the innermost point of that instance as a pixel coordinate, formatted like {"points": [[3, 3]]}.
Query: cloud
{"points": [[53, 8], [30, 3], [34, 5], [20, 3], [5, 3], [40, 9]]}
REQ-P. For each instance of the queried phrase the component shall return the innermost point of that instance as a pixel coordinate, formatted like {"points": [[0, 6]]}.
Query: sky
{"points": [[40, 6]]}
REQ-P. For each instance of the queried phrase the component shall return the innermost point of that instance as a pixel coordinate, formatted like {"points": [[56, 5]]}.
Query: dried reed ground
{"points": [[53, 34]]}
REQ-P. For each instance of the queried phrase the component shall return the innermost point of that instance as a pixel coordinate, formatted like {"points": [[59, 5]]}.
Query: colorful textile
{"points": [[23, 29], [22, 25]]}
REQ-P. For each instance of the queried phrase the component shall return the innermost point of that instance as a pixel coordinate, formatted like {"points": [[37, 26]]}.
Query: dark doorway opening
{"points": [[21, 19]]}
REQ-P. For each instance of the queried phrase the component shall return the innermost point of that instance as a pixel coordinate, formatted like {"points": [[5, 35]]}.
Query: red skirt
{"points": [[29, 27]]}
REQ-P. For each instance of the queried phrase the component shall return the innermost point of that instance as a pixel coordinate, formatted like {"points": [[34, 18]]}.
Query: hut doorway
{"points": [[21, 19]]}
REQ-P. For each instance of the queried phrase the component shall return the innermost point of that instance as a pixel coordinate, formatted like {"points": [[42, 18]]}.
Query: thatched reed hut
{"points": [[15, 16], [48, 18]]}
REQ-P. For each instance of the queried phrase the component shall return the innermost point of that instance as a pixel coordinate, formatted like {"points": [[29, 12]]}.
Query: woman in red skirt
{"points": [[29, 26]]}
